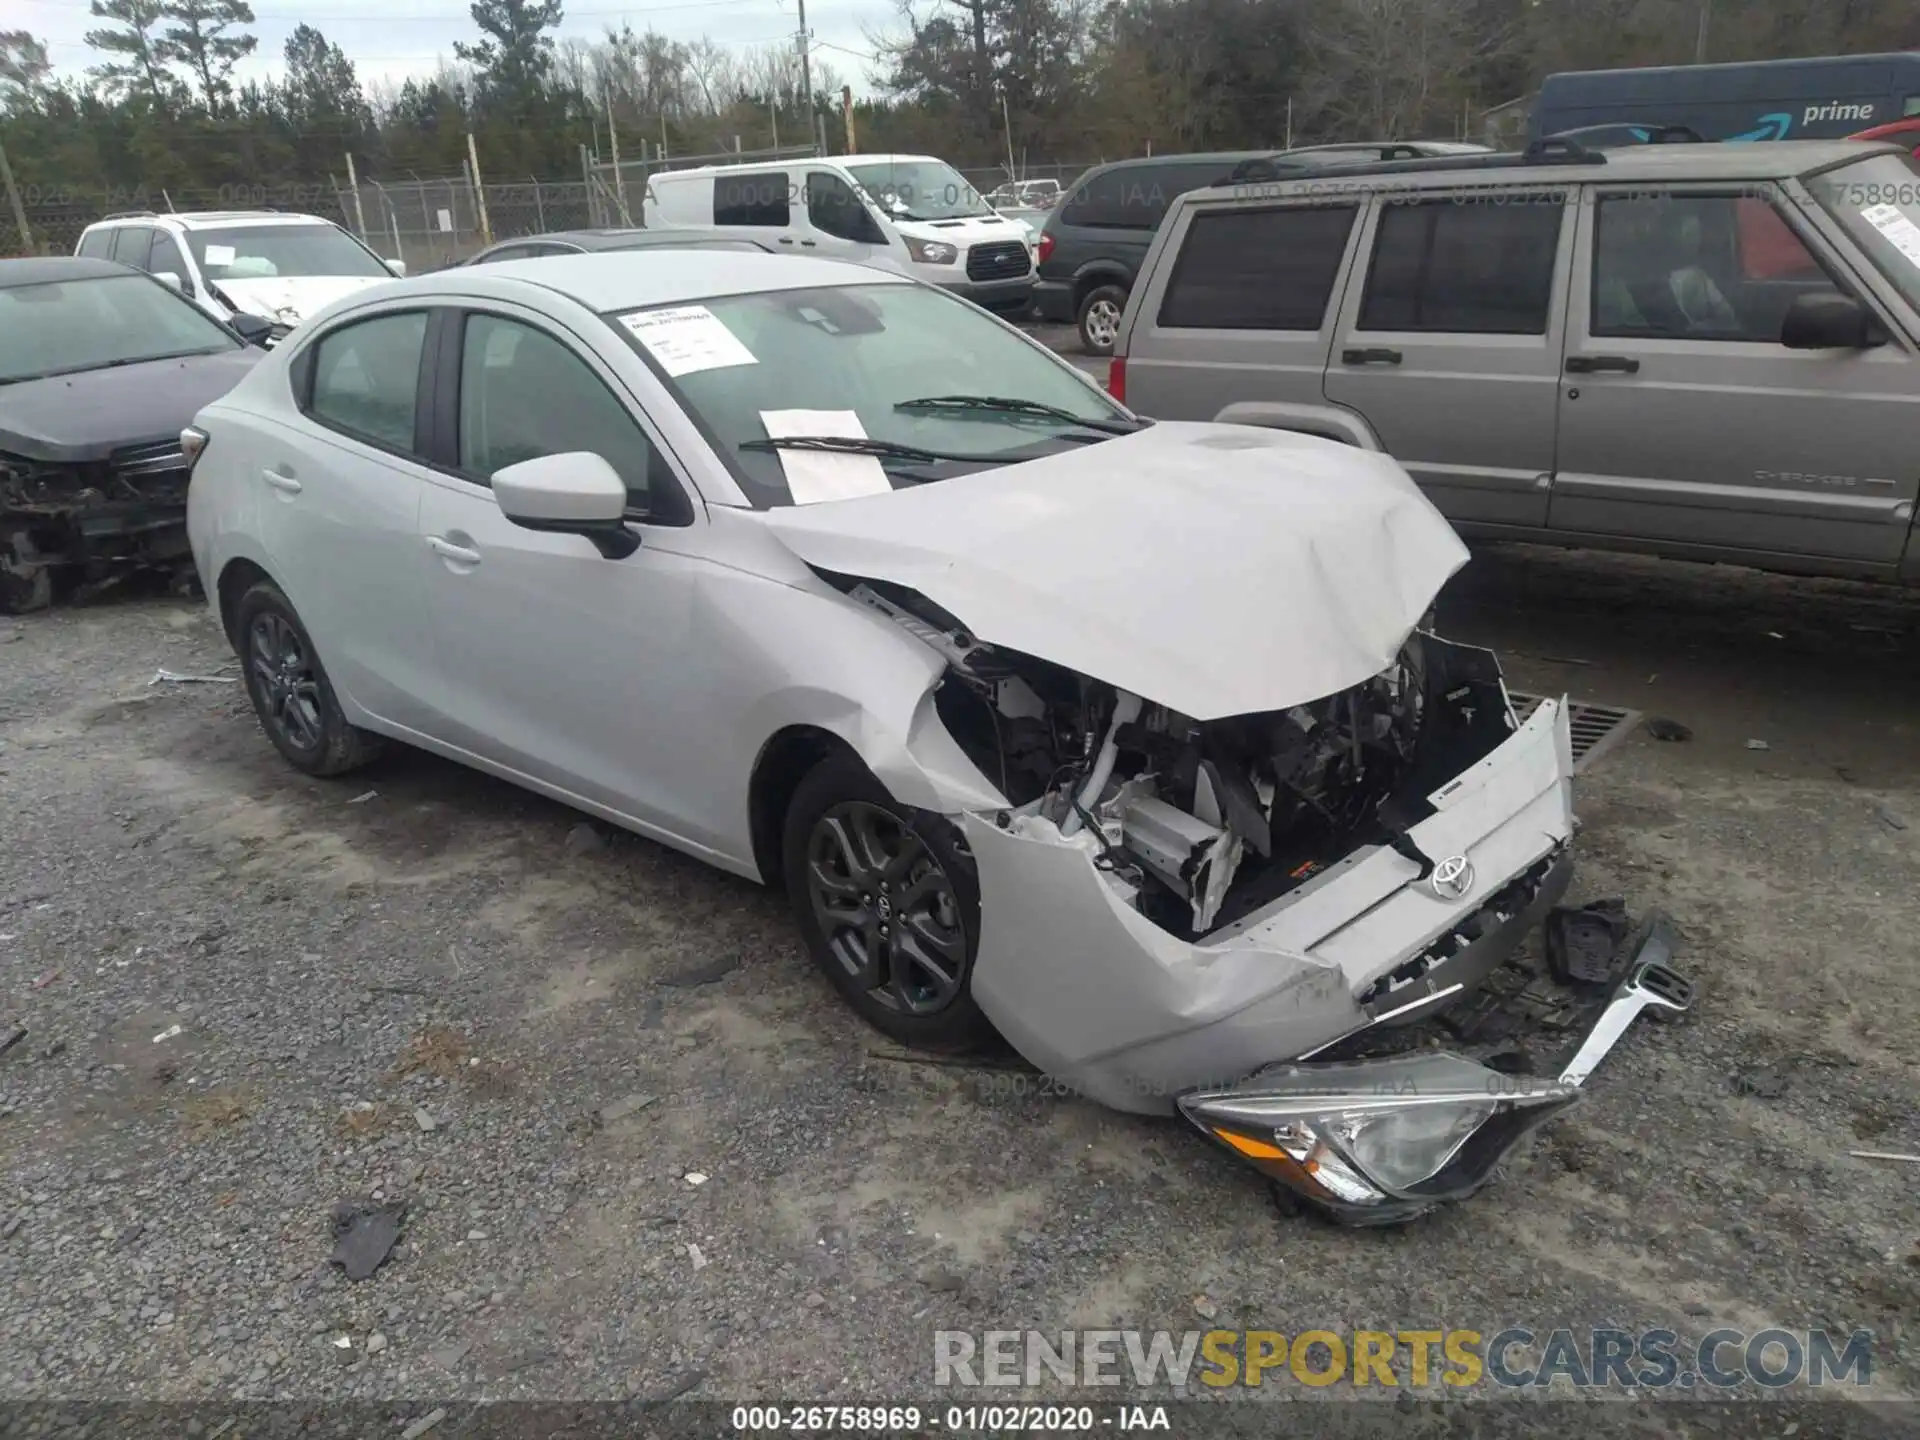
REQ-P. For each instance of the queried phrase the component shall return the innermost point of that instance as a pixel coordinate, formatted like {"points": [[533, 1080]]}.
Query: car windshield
{"points": [[904, 368], [264, 252], [1877, 200], [920, 189], [72, 325]]}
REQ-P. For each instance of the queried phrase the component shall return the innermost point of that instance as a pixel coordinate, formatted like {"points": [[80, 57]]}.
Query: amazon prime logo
{"points": [[1452, 878]]}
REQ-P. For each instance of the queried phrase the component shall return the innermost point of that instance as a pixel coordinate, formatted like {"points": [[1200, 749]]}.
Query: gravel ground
{"points": [[250, 997]]}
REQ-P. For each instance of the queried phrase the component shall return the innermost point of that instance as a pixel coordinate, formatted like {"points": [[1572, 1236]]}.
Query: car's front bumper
{"points": [[1105, 1001], [1013, 296]]}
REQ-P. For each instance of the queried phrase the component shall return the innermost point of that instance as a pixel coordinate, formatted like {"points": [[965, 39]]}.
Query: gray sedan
{"points": [[582, 242]]}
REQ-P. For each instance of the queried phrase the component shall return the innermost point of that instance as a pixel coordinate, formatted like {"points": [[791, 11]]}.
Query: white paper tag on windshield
{"points": [[817, 476], [687, 338], [219, 254], [1893, 223]]}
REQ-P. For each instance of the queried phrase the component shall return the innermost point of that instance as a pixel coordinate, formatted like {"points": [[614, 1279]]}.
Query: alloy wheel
{"points": [[1103, 323], [887, 908], [284, 680]]}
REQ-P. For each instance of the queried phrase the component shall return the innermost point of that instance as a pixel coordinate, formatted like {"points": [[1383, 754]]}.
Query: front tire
{"points": [[1100, 314], [290, 690], [888, 904]]}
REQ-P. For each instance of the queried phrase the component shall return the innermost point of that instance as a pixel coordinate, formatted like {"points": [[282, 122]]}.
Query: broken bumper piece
{"points": [[1380, 1142]]}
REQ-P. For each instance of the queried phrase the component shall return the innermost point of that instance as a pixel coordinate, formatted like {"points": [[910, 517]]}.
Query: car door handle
{"points": [[807, 243], [281, 482], [786, 239], [1594, 364], [447, 550], [1375, 356]]}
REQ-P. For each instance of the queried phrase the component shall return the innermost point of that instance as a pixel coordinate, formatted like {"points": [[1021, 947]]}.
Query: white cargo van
{"points": [[909, 212]]}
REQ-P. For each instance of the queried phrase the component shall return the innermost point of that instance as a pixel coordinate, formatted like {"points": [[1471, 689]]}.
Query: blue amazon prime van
{"points": [[1826, 98]]}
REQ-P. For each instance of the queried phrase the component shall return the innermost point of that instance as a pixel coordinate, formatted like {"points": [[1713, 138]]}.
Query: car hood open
{"points": [[1215, 569]]}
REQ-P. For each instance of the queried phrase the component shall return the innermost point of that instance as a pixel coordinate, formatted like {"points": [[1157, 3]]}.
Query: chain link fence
{"points": [[426, 222]]}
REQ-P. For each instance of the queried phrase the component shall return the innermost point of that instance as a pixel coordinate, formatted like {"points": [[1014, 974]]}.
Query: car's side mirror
{"points": [[171, 280], [254, 329], [1829, 322], [398, 267], [576, 493]]}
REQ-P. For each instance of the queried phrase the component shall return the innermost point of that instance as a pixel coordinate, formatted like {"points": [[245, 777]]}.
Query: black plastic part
{"points": [[1587, 945], [611, 538]]}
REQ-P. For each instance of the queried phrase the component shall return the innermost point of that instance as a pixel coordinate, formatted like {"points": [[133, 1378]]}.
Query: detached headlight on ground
{"points": [[1377, 1142]]}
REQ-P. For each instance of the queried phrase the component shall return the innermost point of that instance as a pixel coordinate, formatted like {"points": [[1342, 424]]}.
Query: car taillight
{"points": [[1117, 378], [1045, 248], [193, 443]]}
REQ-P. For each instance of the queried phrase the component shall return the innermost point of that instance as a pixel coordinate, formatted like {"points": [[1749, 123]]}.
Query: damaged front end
{"points": [[1170, 906], [69, 525]]}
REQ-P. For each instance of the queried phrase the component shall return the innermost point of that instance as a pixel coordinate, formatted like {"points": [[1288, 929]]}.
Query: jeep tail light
{"points": [[1045, 248], [193, 443], [1117, 378]]}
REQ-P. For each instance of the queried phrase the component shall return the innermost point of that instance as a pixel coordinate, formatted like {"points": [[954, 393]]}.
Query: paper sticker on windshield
{"points": [[219, 254], [1901, 232], [817, 476], [687, 338]]}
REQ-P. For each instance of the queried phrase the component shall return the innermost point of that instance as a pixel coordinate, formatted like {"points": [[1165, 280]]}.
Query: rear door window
{"points": [[759, 198], [1465, 266], [1137, 197], [131, 244], [1270, 269], [366, 378]]}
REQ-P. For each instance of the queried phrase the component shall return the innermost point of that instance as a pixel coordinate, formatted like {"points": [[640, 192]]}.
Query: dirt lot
{"points": [[414, 983]]}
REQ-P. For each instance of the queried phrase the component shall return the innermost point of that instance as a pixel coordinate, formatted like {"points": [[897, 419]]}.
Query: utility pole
{"points": [[1006, 123], [13, 199], [846, 109], [619, 175], [1700, 37], [353, 183], [806, 72], [479, 191]]}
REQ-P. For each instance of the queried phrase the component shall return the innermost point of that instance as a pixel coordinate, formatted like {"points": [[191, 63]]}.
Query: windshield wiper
{"points": [[1009, 406], [116, 364], [854, 445]]}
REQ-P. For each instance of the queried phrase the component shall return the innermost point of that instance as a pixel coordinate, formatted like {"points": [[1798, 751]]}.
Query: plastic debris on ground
{"points": [[364, 1235], [1584, 943]]}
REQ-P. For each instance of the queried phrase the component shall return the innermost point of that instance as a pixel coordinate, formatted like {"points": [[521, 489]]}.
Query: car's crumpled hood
{"points": [[1216, 569], [72, 419], [301, 294]]}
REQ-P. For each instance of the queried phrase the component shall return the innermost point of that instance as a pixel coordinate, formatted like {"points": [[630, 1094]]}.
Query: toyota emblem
{"points": [[1452, 878]]}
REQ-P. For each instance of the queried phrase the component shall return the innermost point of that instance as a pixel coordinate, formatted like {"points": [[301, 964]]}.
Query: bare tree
{"points": [[1395, 69]]}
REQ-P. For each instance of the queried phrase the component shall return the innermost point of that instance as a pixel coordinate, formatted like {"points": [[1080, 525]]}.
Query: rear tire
{"points": [[290, 690], [888, 904], [1100, 313]]}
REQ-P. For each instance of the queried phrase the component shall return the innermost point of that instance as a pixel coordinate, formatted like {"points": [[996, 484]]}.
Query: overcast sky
{"points": [[397, 38]]}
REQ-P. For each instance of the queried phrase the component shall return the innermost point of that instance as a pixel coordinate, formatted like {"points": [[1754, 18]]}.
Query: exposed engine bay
{"points": [[1201, 823], [89, 522]]}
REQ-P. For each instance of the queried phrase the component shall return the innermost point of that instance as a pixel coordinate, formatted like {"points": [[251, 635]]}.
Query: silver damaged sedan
{"points": [[1122, 739]]}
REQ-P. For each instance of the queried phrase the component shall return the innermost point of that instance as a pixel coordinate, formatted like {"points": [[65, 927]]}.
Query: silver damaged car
{"points": [[1123, 739]]}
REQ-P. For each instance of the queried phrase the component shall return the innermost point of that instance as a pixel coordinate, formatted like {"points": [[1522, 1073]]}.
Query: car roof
{"points": [[1649, 164], [620, 280], [1198, 157], [848, 160], [47, 269], [212, 219]]}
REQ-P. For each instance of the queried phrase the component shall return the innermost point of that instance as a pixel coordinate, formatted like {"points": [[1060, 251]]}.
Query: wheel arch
{"points": [[237, 577], [783, 762]]}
